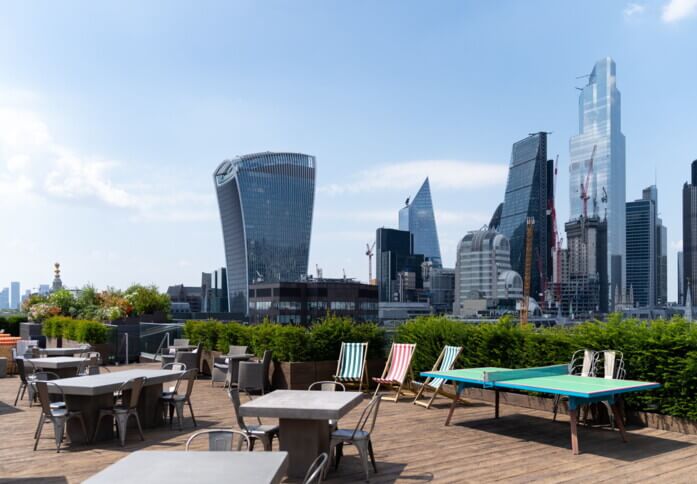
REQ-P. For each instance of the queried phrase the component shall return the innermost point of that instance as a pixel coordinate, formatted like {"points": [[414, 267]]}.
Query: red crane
{"points": [[584, 186]]}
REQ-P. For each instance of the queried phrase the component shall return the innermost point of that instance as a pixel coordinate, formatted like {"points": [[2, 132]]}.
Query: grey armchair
{"points": [[225, 369], [192, 359]]}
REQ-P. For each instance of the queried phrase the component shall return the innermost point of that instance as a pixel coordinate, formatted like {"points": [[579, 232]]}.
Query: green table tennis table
{"points": [[553, 380]]}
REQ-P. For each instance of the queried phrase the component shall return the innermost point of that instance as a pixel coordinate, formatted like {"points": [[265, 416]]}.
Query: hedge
{"points": [[321, 341], [80, 330], [661, 351], [11, 324]]}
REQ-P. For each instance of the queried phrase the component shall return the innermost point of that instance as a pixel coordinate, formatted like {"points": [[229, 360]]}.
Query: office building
{"points": [[483, 276], [44, 289], [418, 218], [214, 291], [185, 298], [266, 202], [439, 287], [306, 302], [681, 288], [14, 295], [641, 251], [599, 119], [661, 249], [5, 298], [529, 193], [397, 267], [689, 234]]}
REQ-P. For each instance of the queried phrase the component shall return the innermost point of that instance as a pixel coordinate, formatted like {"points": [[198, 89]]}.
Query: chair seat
{"points": [[346, 378], [56, 405], [59, 412], [120, 409], [167, 395], [262, 429], [386, 381], [220, 366], [344, 435]]}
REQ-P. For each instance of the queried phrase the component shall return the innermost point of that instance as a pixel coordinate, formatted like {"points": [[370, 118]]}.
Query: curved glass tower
{"points": [[418, 218], [265, 202]]}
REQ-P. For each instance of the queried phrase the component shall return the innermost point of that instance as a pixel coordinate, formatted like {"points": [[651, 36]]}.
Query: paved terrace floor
{"points": [[411, 445]]}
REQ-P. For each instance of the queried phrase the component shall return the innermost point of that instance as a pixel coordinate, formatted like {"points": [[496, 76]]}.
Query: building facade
{"points": [[418, 218], [266, 202], [439, 287], [5, 298], [14, 295], [398, 268], [599, 120], [689, 234], [483, 272], [306, 302], [681, 288], [530, 193], [641, 251]]}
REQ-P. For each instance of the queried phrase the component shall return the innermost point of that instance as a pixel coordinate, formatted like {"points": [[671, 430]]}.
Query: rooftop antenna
{"points": [[406, 202], [369, 252]]}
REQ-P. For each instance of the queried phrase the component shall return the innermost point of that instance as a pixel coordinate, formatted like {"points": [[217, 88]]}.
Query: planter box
{"points": [[52, 342], [299, 375]]}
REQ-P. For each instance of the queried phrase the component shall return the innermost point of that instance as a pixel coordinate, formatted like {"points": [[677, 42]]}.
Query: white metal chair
{"points": [[56, 414], [315, 473], [122, 410], [360, 436], [221, 439], [583, 364]]}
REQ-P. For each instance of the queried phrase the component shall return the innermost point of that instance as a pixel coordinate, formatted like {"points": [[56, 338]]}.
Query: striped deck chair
{"points": [[445, 362], [396, 369], [351, 367]]}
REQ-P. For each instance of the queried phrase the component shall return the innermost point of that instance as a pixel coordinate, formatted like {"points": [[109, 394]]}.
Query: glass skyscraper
{"points": [[418, 218], [266, 202], [641, 251], [599, 126], [529, 193]]}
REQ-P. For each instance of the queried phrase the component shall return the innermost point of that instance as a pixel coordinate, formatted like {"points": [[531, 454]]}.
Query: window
{"points": [[343, 305]]}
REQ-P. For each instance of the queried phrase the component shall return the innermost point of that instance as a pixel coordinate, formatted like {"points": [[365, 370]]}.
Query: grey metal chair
{"points": [[59, 416], [221, 439], [23, 380], [223, 369], [125, 408], [92, 365], [171, 389], [174, 402], [359, 436], [251, 377], [264, 433], [315, 473], [328, 386]]}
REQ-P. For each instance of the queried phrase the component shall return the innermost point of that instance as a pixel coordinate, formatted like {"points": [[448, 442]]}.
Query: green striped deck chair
{"points": [[351, 367], [445, 362]]}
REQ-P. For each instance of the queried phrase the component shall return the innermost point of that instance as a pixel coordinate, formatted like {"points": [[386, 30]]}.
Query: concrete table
{"points": [[63, 366], [62, 351], [304, 421], [91, 393], [192, 467]]}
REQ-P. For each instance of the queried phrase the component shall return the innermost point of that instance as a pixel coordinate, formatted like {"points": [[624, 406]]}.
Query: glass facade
{"points": [[395, 260], [529, 193], [641, 252], [266, 202], [689, 236], [599, 125], [418, 218]]}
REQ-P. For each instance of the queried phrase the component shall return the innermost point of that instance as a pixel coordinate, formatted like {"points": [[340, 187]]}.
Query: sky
{"points": [[113, 116]]}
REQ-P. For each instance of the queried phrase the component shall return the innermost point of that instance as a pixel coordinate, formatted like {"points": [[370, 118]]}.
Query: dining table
{"points": [[63, 366]]}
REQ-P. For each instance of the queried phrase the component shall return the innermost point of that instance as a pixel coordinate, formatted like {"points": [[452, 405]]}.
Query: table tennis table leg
{"points": [[496, 404], [458, 392], [573, 417], [618, 420]]}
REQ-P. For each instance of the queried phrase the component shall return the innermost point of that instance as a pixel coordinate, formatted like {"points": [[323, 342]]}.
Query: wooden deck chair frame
{"points": [[364, 372], [409, 374], [436, 367]]}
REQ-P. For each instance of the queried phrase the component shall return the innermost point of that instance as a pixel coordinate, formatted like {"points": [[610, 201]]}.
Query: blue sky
{"points": [[113, 116]]}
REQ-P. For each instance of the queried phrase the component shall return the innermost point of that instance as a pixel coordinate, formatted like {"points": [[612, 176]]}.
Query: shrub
{"points": [[233, 334], [146, 299], [205, 332], [80, 330], [328, 335]]}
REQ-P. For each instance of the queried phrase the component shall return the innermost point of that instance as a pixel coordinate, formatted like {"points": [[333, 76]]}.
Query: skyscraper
{"points": [[397, 268], [661, 249], [681, 281], [418, 218], [14, 295], [529, 193], [266, 202], [689, 233], [641, 251], [5, 298], [600, 127]]}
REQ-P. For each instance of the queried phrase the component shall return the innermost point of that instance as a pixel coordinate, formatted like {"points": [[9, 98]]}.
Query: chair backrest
{"points": [[266, 362], [234, 394], [351, 362], [220, 439], [327, 386], [174, 366], [44, 397], [613, 365], [368, 417], [445, 362], [251, 376], [399, 361], [316, 470], [21, 369], [237, 350], [583, 363], [135, 385], [180, 342], [189, 377]]}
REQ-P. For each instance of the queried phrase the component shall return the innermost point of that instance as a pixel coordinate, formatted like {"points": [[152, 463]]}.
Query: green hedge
{"points": [[80, 330], [321, 341], [11, 323], [661, 351]]}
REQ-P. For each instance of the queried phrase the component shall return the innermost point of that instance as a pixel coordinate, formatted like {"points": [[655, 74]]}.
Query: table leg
{"points": [[150, 407], [496, 400], [458, 392], [618, 420], [573, 417], [304, 440], [90, 406]]}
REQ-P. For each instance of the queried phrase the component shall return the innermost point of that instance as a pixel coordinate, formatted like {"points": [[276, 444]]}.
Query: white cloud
{"points": [[676, 10], [676, 245], [632, 9], [443, 174]]}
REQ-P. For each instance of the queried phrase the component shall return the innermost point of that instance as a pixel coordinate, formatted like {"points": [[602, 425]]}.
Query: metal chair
{"points": [[613, 369], [251, 377], [175, 401], [192, 359], [583, 364], [59, 416], [264, 433], [224, 369], [315, 473], [172, 388], [328, 386], [221, 439], [359, 436], [122, 411], [23, 380]]}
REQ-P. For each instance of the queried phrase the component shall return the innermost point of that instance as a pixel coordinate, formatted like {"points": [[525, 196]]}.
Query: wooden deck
{"points": [[411, 445]]}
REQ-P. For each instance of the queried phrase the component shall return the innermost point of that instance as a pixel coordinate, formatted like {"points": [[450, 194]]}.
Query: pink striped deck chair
{"points": [[396, 368]]}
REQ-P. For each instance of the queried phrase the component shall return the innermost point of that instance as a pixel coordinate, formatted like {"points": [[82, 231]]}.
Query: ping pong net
{"points": [[519, 374]]}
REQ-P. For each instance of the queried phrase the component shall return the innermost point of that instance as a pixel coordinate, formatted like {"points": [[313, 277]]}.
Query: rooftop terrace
{"points": [[411, 445]]}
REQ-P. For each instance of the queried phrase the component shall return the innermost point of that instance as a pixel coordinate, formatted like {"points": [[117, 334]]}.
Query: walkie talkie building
{"points": [[266, 202]]}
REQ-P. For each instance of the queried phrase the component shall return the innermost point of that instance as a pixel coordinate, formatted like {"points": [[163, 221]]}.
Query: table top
{"points": [[553, 379], [302, 404], [56, 362], [175, 467], [110, 382]]}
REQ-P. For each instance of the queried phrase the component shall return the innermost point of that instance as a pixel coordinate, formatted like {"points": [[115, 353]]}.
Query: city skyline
{"points": [[95, 180]]}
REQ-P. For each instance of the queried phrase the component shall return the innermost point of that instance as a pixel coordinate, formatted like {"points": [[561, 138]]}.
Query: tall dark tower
{"points": [[689, 232]]}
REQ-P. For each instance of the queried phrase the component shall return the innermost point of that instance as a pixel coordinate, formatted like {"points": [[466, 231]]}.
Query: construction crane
{"points": [[369, 252], [584, 186], [530, 230]]}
